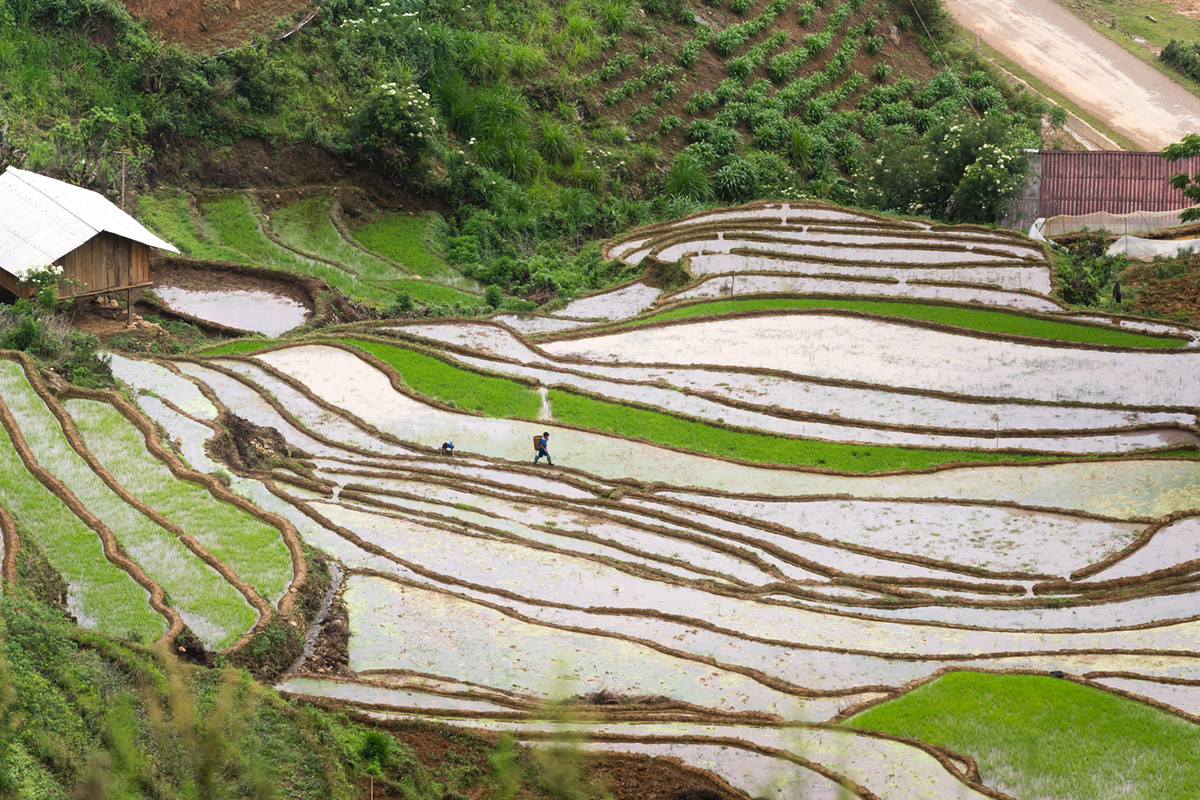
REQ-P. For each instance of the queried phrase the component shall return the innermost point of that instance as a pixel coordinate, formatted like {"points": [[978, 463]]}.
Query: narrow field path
{"points": [[1057, 47]]}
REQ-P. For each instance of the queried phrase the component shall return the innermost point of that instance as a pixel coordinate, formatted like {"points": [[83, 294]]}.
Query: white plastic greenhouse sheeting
{"points": [[1132, 223], [1140, 249]]}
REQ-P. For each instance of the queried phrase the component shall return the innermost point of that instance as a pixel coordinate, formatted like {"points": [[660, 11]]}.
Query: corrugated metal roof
{"points": [[42, 219], [1109, 180]]}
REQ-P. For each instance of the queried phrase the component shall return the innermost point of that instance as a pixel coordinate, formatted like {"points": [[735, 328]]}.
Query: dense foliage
{"points": [[543, 126], [1183, 56], [1086, 273]]}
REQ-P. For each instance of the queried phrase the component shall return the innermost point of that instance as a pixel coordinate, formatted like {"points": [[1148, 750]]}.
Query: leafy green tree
{"points": [[1188, 184]]}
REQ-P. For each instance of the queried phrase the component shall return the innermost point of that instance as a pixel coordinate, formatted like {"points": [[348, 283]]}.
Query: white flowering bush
{"points": [[397, 121], [988, 182], [40, 276]]}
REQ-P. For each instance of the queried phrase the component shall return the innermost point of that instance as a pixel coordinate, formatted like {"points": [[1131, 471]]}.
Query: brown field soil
{"points": [[1167, 289], [211, 25]]}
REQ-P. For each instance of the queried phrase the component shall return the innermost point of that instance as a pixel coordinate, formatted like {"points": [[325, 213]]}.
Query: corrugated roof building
{"points": [[45, 221], [1073, 183]]}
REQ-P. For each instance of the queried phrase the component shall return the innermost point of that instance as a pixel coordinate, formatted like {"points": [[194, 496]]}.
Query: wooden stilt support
{"points": [[129, 307]]}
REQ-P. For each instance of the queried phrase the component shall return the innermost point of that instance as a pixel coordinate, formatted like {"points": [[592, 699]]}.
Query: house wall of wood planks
{"points": [[104, 263]]}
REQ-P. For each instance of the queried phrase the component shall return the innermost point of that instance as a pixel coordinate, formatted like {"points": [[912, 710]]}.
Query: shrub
{"points": [[1085, 271], [493, 295], [881, 71], [988, 98], [688, 178], [52, 341], [1183, 56], [737, 181], [397, 122], [615, 15]]}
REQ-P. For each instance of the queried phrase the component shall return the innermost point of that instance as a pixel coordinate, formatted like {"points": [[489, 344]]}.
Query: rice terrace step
{"points": [[794, 511]]}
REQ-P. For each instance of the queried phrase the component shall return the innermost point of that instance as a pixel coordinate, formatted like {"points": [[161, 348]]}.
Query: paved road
{"points": [[1054, 45]]}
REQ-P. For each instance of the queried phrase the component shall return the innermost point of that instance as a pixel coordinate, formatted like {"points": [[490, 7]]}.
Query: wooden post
{"points": [[123, 154], [129, 307]]}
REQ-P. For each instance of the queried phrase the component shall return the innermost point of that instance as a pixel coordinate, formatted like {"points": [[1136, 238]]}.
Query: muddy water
{"points": [[258, 311]]}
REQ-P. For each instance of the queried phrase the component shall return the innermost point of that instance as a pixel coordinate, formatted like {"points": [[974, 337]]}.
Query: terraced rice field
{"points": [[763, 528], [310, 237]]}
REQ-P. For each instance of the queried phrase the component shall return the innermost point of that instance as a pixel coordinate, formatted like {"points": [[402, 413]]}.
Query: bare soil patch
{"points": [[210, 25]]}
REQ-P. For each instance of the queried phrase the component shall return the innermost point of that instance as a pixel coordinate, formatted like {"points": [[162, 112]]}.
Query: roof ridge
{"points": [[20, 175]]}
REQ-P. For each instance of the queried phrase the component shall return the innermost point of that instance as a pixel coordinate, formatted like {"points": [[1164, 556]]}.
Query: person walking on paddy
{"points": [[541, 447]]}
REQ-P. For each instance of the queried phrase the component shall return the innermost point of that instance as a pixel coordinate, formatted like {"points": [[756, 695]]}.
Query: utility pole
{"points": [[123, 153], [129, 275]]}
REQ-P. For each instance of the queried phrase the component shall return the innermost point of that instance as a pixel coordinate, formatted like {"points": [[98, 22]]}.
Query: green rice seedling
{"points": [[101, 595], [461, 388], [231, 221], [236, 346], [976, 319], [705, 437], [405, 240], [254, 550], [1040, 736], [212, 608], [306, 225], [169, 214]]}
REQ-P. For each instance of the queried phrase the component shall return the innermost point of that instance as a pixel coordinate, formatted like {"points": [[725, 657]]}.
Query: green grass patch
{"points": [[436, 293], [975, 319], [461, 388], [1037, 736], [230, 220], [168, 213], [402, 238], [703, 437], [236, 346], [306, 225]]}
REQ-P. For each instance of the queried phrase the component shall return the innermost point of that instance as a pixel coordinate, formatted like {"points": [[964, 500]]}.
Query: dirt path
{"points": [[1057, 47]]}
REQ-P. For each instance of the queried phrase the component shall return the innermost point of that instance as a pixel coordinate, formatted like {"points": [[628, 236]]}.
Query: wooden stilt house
{"points": [[46, 222]]}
